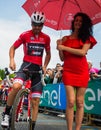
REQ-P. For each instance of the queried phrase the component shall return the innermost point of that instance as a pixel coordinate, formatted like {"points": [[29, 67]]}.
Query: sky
{"points": [[14, 20]]}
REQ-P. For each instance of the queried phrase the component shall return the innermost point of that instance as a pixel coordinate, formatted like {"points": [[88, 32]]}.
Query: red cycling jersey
{"points": [[33, 46]]}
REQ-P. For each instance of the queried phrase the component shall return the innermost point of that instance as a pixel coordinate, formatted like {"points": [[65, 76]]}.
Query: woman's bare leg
{"points": [[70, 106], [79, 107]]}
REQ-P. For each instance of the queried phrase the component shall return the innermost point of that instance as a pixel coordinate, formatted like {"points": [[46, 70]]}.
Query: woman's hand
{"points": [[59, 44], [59, 41], [60, 47]]}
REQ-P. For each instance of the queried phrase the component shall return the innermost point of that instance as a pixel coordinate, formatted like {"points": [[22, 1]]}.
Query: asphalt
{"points": [[46, 121]]}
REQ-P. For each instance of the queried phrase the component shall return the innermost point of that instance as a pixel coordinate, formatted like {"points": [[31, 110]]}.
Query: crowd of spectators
{"points": [[54, 75]]}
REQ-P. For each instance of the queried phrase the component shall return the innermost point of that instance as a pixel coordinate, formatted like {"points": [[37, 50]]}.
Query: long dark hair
{"points": [[86, 29]]}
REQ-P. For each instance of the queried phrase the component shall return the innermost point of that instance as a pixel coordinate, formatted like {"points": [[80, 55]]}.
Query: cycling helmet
{"points": [[38, 17]]}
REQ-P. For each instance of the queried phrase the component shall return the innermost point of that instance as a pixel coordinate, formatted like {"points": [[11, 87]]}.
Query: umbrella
{"points": [[59, 13], [31, 5]]}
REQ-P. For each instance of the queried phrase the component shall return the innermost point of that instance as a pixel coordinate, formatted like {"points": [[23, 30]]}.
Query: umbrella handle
{"points": [[60, 34]]}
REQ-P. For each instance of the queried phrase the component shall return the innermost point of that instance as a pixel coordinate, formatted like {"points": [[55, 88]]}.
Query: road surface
{"points": [[51, 122]]}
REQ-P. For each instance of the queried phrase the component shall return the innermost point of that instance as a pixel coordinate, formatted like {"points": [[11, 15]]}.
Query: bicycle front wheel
{"points": [[19, 116]]}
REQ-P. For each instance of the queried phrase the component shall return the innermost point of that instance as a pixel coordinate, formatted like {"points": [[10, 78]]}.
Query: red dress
{"points": [[75, 70]]}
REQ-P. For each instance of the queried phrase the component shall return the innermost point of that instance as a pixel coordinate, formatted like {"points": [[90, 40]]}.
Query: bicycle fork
{"points": [[20, 110]]}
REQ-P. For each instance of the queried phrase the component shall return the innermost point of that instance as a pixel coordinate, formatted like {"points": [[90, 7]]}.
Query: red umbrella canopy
{"points": [[31, 5], [59, 13]]}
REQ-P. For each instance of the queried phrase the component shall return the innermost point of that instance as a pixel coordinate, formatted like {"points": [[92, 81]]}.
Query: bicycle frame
{"points": [[28, 86]]}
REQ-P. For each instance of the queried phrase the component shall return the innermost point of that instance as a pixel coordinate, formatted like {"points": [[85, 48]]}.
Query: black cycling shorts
{"points": [[36, 86]]}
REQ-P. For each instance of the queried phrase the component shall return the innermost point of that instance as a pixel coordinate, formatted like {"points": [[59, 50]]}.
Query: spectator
{"points": [[93, 72], [58, 73], [99, 72], [49, 76]]}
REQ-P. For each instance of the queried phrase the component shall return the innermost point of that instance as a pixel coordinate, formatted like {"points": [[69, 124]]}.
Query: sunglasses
{"points": [[37, 24]]}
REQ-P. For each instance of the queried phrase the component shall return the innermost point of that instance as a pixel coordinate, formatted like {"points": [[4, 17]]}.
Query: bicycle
{"points": [[21, 110]]}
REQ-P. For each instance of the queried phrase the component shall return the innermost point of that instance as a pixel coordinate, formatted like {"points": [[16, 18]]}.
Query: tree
{"points": [[2, 73]]}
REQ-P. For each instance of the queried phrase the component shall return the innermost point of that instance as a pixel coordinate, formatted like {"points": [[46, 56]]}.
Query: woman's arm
{"points": [[61, 55], [59, 42], [79, 52]]}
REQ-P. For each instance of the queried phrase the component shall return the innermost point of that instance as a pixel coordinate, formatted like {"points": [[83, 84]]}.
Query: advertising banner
{"points": [[54, 96], [93, 97]]}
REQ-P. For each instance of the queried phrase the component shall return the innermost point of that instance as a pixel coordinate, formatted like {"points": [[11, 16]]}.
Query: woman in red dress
{"points": [[73, 50]]}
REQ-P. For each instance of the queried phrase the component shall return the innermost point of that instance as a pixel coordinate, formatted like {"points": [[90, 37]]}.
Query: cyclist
{"points": [[34, 42]]}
